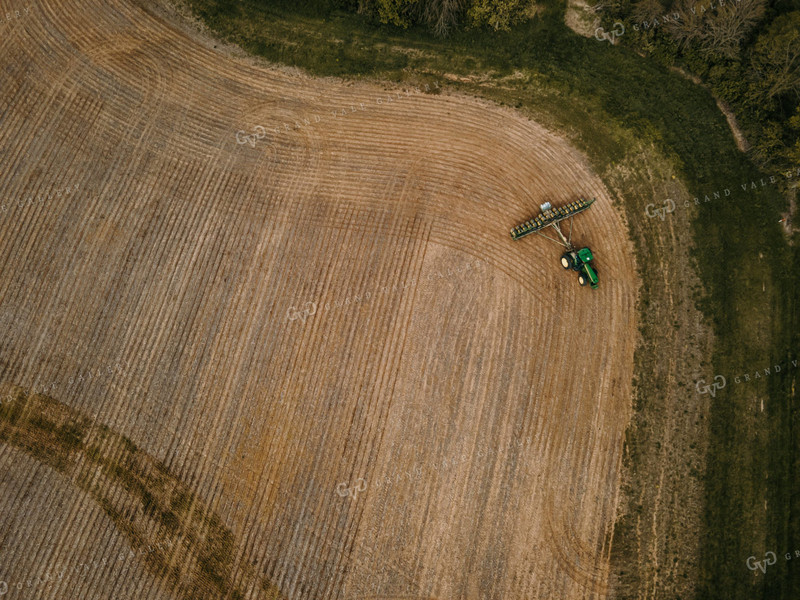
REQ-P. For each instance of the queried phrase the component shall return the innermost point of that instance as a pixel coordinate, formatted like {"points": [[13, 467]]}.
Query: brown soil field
{"points": [[264, 335]]}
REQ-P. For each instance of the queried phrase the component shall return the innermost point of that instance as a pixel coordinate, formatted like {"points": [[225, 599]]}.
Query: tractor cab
{"points": [[579, 260]]}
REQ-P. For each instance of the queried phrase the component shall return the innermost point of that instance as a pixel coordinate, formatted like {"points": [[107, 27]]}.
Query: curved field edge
{"points": [[686, 530], [138, 493]]}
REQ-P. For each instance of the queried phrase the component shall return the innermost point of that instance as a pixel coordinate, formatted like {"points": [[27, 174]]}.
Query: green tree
{"points": [[793, 149], [497, 14], [394, 12], [775, 63]]}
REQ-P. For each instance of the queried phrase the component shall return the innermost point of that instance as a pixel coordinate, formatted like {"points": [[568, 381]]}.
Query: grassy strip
{"points": [[137, 492], [602, 96]]}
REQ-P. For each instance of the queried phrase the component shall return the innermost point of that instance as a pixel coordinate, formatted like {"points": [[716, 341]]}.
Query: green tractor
{"points": [[572, 259], [579, 261]]}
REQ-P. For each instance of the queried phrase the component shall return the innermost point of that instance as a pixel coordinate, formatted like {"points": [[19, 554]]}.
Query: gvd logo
{"points": [[343, 490], [754, 564], [243, 138], [661, 213], [310, 309], [610, 36], [710, 388]]}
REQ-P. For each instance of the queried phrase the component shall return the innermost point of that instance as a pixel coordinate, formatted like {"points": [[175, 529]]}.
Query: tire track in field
{"points": [[165, 509]]}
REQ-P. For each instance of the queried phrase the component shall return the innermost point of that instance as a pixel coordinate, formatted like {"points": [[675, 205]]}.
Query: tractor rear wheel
{"points": [[566, 261]]}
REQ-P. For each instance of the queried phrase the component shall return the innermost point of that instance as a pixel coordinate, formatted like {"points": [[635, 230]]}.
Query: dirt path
{"points": [[328, 333]]}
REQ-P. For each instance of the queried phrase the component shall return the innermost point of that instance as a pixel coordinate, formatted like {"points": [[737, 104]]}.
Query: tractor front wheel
{"points": [[582, 279]]}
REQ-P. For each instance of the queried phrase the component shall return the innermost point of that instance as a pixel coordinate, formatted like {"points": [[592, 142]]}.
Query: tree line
{"points": [[747, 51], [441, 17]]}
